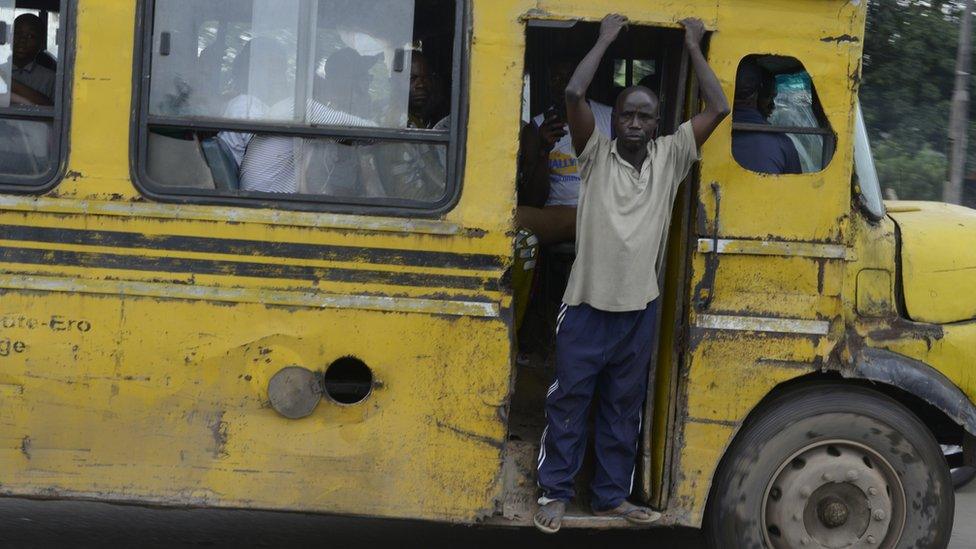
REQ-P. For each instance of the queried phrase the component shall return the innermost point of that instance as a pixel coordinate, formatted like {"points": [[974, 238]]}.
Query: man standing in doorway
{"points": [[607, 322]]}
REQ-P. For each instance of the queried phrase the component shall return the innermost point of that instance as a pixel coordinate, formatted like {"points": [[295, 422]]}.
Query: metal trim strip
{"points": [[763, 324], [169, 211], [773, 248], [258, 296]]}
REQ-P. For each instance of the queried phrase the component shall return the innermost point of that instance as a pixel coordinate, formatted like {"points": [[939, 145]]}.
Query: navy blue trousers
{"points": [[603, 355]]}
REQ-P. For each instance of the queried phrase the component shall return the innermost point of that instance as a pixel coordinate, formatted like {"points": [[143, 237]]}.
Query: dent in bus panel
{"points": [[777, 92]]}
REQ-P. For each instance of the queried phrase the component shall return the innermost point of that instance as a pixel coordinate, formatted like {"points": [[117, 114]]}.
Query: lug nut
{"points": [[805, 541], [872, 491], [852, 476], [828, 477], [805, 492], [871, 540], [879, 515]]}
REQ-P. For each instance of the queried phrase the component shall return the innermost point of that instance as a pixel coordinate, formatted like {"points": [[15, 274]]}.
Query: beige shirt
{"points": [[622, 220]]}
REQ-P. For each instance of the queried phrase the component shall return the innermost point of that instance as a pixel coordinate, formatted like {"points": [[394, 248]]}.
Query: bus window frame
{"points": [[455, 139], [827, 133], [59, 115]]}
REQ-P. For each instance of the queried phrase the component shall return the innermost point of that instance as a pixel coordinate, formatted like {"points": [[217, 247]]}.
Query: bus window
{"points": [[302, 101], [30, 93], [779, 127]]}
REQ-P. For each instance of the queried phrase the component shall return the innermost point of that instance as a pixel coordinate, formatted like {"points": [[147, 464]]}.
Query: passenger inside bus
{"points": [[33, 83], [779, 127], [549, 176], [348, 73], [272, 163], [252, 100], [415, 170], [422, 93], [762, 152], [29, 147]]}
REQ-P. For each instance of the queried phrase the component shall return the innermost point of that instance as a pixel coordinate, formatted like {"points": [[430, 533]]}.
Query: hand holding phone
{"points": [[553, 129]]}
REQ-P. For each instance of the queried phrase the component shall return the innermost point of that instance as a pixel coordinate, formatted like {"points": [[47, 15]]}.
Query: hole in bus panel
{"points": [[354, 65], [29, 52], [647, 56]]}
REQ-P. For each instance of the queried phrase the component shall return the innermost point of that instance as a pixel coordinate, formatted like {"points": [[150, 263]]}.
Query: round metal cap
{"points": [[294, 392]]}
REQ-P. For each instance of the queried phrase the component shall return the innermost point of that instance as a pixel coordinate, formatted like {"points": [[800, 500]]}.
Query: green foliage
{"points": [[913, 173], [906, 94]]}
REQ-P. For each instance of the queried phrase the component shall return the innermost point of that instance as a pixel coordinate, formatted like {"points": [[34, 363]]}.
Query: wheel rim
{"points": [[834, 494]]}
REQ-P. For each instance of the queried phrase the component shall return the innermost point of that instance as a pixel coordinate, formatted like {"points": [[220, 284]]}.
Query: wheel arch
{"points": [[928, 394], [909, 381]]}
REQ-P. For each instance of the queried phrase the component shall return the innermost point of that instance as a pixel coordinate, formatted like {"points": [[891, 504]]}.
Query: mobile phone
{"points": [[553, 111]]}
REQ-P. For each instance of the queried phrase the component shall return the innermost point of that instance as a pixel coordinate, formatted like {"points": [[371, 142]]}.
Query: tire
{"points": [[809, 465], [962, 476], [961, 473]]}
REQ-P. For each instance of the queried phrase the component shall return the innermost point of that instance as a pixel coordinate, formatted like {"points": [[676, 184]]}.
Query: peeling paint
{"points": [[842, 39], [218, 431]]}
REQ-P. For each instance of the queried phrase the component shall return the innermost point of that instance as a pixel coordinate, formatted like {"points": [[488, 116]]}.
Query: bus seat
{"points": [[175, 162], [222, 165]]}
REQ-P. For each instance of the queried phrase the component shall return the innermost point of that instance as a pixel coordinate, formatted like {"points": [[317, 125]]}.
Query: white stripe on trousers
{"points": [[552, 388], [542, 448], [640, 423]]}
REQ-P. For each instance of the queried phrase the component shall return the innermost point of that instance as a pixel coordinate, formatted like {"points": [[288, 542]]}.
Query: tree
{"points": [[906, 94]]}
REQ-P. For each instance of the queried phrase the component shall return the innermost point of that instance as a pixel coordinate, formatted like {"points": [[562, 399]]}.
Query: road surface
{"points": [[45, 524]]}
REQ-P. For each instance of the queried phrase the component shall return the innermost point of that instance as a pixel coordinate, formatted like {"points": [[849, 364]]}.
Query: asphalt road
{"points": [[47, 524]]}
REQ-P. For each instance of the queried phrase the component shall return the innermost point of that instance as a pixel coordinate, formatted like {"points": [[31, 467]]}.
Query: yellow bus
{"points": [[241, 268]]}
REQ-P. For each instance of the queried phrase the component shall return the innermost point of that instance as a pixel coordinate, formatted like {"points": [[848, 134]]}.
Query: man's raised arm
{"points": [[578, 113], [716, 104]]}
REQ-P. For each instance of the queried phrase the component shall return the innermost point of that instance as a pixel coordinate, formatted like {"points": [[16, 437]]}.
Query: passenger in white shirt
{"points": [[33, 84], [264, 56], [549, 182], [280, 164]]}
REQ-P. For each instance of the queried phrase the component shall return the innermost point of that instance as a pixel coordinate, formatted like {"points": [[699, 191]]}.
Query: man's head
{"points": [[28, 38], [748, 82], [347, 78], [755, 88], [421, 84], [635, 117], [560, 71]]}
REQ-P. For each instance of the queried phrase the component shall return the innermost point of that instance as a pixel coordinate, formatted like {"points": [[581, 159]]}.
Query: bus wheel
{"points": [[830, 465]]}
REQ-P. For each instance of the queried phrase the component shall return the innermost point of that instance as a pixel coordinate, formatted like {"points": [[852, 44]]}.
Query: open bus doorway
{"points": [[650, 56]]}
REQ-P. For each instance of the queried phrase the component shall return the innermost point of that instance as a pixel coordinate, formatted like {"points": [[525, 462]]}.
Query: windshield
{"points": [[867, 176]]}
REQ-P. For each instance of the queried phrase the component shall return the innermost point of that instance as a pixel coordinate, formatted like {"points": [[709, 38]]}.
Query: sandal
{"points": [[549, 518], [631, 513]]}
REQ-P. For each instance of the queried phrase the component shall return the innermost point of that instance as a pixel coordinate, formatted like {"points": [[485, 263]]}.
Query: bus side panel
{"points": [[158, 400], [142, 335], [767, 283]]}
